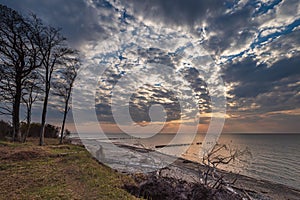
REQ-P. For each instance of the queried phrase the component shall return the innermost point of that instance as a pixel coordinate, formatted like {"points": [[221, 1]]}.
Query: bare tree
{"points": [[31, 95], [54, 48], [18, 58], [63, 86]]}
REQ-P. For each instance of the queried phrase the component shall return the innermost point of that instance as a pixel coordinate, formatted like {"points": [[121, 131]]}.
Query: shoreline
{"points": [[264, 188], [258, 188]]}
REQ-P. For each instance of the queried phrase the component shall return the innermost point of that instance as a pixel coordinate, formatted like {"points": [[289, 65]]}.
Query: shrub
{"points": [[5, 129], [51, 131]]}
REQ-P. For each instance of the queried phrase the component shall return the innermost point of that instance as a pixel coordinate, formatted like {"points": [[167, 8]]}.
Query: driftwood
{"points": [[155, 187]]}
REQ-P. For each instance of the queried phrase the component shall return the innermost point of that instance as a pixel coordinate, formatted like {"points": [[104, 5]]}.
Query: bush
{"points": [[51, 131], [5, 129]]}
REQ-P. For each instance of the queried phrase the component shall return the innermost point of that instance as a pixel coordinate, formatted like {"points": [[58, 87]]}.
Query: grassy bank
{"points": [[28, 171]]}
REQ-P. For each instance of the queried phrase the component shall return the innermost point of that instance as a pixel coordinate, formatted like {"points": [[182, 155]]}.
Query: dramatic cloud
{"points": [[255, 45]]}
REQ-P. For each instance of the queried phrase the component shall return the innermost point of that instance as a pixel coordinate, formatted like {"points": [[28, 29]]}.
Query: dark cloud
{"points": [[79, 22], [262, 89], [177, 12], [227, 25], [255, 79], [232, 30], [197, 15], [140, 105]]}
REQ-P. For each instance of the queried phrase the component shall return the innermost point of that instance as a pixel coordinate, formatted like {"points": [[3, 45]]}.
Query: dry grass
{"points": [[28, 171]]}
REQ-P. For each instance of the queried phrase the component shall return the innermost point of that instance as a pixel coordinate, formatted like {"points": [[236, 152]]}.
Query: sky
{"points": [[184, 55]]}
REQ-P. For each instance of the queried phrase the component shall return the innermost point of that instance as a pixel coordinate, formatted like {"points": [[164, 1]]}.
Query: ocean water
{"points": [[274, 157]]}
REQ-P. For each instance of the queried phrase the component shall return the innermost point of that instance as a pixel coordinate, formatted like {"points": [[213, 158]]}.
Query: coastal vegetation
{"points": [[30, 171]]}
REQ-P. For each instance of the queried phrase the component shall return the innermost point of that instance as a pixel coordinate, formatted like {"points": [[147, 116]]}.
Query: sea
{"points": [[272, 157]]}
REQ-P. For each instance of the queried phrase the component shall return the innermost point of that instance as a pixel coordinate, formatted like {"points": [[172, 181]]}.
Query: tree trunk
{"points": [[16, 112], [64, 119], [44, 114], [62, 128], [27, 132], [14, 125], [28, 124]]}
